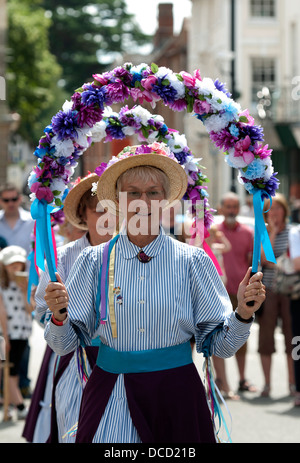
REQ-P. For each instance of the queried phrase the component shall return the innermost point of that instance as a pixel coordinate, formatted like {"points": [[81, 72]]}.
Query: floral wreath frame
{"points": [[88, 118]]}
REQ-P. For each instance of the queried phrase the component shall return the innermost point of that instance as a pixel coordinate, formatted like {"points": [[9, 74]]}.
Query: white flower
{"points": [[235, 161], [98, 131], [82, 137], [128, 131], [191, 164], [269, 168], [152, 136], [138, 68], [67, 105], [216, 122], [177, 142], [32, 197], [63, 148], [58, 185], [205, 87], [143, 114]]}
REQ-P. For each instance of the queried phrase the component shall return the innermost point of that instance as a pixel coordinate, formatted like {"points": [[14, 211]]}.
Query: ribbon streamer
{"points": [[261, 236], [45, 246], [104, 281]]}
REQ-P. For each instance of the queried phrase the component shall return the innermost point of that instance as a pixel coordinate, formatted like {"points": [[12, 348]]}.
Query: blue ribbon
{"points": [[33, 278], [261, 236], [40, 211]]}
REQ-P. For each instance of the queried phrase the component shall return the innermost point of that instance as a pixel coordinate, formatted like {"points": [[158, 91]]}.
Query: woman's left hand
{"points": [[250, 289]]}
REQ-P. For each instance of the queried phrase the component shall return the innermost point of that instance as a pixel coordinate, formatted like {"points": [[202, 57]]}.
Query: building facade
{"points": [[252, 46]]}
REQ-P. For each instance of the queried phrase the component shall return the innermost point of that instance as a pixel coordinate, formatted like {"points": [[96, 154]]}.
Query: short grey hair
{"points": [[145, 173]]}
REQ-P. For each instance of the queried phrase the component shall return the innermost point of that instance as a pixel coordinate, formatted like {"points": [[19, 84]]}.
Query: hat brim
{"points": [[14, 259], [106, 188], [73, 199]]}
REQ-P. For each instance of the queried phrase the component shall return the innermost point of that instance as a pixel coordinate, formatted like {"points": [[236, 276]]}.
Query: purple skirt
{"points": [[166, 406], [37, 397]]}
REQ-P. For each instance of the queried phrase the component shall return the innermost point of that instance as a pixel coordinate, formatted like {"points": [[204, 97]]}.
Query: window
{"points": [[263, 8], [263, 83]]}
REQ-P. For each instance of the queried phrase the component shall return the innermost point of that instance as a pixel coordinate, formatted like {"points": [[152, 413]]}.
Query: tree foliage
{"points": [[32, 71], [85, 37]]}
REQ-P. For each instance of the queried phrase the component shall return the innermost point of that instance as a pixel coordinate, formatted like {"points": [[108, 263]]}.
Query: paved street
{"points": [[254, 419]]}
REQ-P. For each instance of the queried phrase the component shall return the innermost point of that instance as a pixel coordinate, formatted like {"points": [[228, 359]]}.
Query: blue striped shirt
{"points": [[165, 302]]}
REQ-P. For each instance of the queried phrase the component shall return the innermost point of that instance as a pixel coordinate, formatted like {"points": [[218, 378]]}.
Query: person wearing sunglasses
{"points": [[16, 224]]}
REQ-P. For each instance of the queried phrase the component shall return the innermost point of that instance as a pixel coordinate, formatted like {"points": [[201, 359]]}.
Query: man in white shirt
{"points": [[16, 224]]}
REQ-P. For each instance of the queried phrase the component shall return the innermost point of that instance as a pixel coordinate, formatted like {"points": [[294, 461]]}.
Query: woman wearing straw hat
{"points": [[81, 210], [161, 293]]}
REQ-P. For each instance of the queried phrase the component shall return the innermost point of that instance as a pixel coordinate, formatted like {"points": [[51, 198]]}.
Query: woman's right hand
{"points": [[57, 298]]}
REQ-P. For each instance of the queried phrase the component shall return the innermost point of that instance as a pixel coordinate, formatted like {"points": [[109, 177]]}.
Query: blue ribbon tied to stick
{"points": [[261, 236], [45, 246]]}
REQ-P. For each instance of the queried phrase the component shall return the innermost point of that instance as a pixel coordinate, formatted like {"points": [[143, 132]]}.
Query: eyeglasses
{"points": [[8, 200]]}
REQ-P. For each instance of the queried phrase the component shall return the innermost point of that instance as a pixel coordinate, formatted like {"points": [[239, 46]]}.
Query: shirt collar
{"points": [[130, 250]]}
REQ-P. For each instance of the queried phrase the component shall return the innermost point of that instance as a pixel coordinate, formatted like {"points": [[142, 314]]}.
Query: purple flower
{"points": [[220, 86], [178, 105], [223, 140], [94, 96], [117, 92], [181, 157], [271, 186], [114, 129], [166, 92], [64, 124], [255, 132], [100, 169], [124, 75], [88, 115]]}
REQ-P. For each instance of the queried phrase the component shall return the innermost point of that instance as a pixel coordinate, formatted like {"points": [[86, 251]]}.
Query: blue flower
{"points": [[64, 124], [220, 86], [234, 131], [255, 170], [92, 96], [271, 186], [166, 92], [255, 132]]}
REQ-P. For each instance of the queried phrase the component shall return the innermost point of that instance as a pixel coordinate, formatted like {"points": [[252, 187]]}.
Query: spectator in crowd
{"points": [[276, 306], [236, 263]]}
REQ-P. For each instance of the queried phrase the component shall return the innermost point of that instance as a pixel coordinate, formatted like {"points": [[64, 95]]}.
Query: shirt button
{"points": [[142, 278], [141, 330], [141, 302]]}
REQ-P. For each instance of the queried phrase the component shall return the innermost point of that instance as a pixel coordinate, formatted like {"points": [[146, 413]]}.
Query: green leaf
{"points": [[243, 119], [56, 192], [57, 202], [154, 68]]}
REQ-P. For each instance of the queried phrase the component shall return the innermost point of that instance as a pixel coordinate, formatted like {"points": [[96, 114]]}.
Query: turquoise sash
{"points": [[144, 361]]}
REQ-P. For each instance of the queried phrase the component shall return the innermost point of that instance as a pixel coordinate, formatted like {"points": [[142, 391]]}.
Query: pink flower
{"points": [[242, 150], [188, 79], [262, 151], [149, 82], [197, 75], [100, 78], [137, 93], [42, 192], [201, 107], [247, 115]]}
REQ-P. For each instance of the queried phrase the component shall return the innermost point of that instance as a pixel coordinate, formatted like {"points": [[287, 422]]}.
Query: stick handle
{"points": [[251, 303]]}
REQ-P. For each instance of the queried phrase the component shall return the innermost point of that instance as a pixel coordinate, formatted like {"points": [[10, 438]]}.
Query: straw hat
{"points": [[73, 199], [161, 158]]}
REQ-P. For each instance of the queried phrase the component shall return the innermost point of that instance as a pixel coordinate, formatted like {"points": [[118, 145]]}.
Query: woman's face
{"points": [[141, 203], [13, 268], [277, 213]]}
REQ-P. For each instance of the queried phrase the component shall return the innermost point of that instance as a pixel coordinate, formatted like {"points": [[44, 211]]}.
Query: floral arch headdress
{"points": [[88, 118]]}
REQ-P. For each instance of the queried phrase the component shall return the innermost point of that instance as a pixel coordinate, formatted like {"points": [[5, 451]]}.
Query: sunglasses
{"points": [[8, 200]]}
